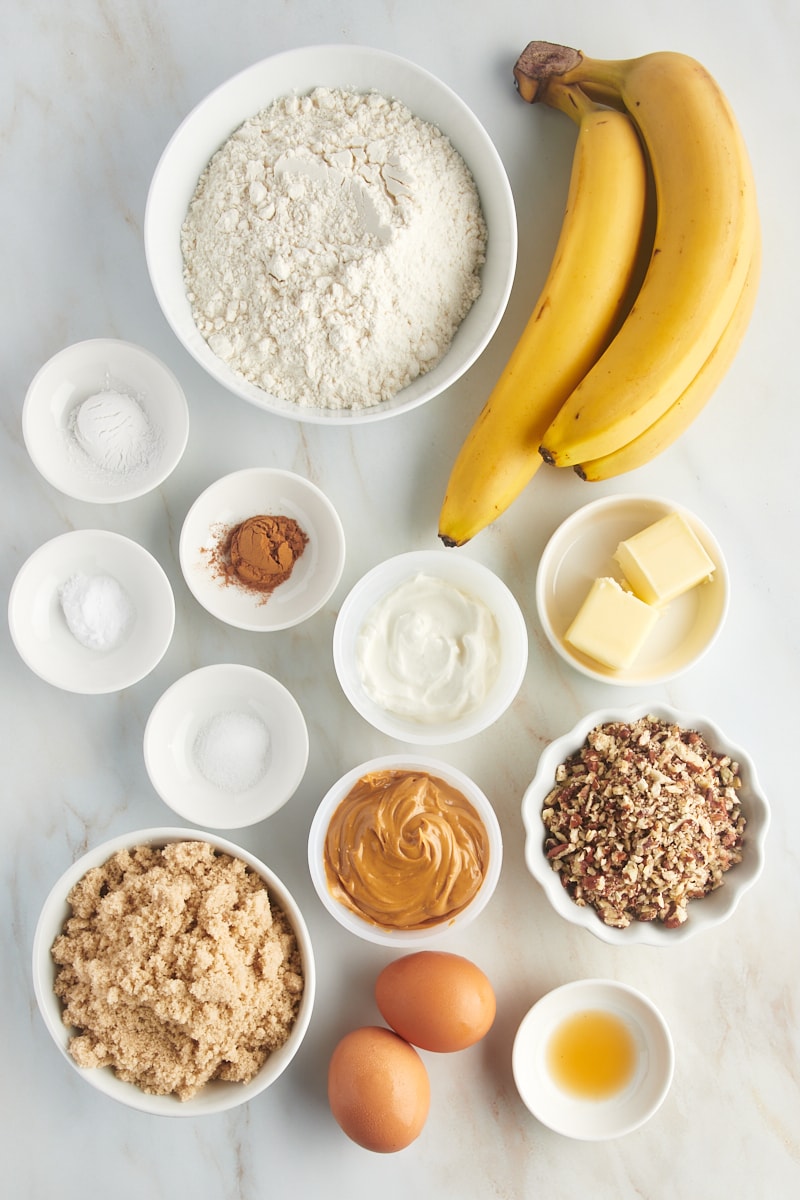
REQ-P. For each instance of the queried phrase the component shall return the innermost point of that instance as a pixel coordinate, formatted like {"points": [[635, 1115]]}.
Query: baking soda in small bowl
{"points": [[98, 611]]}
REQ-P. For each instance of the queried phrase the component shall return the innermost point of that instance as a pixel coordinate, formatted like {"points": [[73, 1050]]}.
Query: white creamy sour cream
{"points": [[428, 651]]}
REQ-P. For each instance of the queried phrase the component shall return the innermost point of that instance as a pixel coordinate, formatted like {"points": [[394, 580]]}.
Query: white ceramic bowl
{"points": [[403, 938], [470, 577], [216, 1096], [704, 913], [39, 629], [358, 68], [581, 550], [249, 493], [579, 1117], [182, 714], [81, 371]]}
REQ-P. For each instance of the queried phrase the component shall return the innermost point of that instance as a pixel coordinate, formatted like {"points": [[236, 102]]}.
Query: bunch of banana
{"points": [[686, 321], [587, 292], [680, 414]]}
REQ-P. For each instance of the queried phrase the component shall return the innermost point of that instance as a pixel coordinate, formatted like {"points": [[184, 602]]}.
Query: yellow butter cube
{"points": [[612, 625], [664, 560]]}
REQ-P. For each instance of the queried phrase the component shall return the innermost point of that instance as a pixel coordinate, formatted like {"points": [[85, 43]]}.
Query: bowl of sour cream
{"points": [[430, 648]]}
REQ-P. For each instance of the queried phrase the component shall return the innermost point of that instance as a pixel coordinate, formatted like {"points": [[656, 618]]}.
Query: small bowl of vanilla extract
{"points": [[593, 1059]]}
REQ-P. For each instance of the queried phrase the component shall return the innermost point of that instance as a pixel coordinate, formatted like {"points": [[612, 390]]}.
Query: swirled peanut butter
{"points": [[405, 850]]}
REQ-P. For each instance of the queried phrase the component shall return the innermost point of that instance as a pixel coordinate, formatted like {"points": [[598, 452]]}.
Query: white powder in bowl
{"points": [[113, 433], [332, 248], [231, 750], [97, 609]]}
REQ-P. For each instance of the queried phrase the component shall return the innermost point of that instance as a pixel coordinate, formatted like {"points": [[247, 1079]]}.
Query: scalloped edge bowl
{"points": [[705, 913]]}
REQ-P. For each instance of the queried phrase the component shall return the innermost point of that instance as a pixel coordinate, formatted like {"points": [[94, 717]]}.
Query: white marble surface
{"points": [[91, 91]]}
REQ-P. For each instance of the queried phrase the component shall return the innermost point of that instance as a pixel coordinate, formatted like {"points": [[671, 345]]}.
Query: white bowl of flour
{"points": [[331, 234]]}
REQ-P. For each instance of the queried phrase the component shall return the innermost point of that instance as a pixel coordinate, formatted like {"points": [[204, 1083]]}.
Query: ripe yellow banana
{"points": [[706, 230], [582, 303], [677, 419]]}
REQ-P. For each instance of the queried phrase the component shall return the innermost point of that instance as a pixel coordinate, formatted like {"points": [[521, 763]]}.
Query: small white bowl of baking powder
{"points": [[105, 421], [401, 217]]}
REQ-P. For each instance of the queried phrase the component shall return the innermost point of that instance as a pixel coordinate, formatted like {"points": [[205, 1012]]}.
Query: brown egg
{"points": [[378, 1089], [437, 1001]]}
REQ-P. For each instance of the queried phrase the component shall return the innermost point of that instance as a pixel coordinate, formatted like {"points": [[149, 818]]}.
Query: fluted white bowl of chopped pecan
{"points": [[645, 825]]}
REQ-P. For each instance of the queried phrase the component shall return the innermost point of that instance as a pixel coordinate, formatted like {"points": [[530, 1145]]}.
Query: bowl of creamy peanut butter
{"points": [[404, 849]]}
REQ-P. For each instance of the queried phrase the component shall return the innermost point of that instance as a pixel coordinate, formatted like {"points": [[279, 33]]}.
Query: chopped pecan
{"points": [[642, 819]]}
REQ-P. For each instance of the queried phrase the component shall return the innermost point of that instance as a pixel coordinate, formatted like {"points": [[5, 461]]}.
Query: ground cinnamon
{"points": [[260, 553]]}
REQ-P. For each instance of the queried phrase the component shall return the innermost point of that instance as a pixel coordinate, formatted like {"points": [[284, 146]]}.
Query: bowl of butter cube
{"points": [[632, 590]]}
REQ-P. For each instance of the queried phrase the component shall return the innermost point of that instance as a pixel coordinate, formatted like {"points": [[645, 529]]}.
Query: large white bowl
{"points": [[215, 1096], [582, 549], [182, 711], [704, 913], [469, 576], [41, 634], [358, 68], [80, 371], [578, 1117], [403, 938], [249, 493]]}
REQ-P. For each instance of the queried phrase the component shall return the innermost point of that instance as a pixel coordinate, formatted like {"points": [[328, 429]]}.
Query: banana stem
{"points": [[538, 64], [569, 99], [542, 62]]}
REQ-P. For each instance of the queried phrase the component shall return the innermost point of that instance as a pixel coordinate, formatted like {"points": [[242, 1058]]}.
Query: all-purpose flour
{"points": [[332, 248]]}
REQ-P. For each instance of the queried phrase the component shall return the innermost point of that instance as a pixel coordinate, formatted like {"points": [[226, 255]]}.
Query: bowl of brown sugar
{"points": [[174, 971], [262, 549]]}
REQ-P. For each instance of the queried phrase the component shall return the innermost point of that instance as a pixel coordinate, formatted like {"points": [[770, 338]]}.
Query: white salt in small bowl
{"points": [[92, 368], [226, 746], [38, 624]]}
